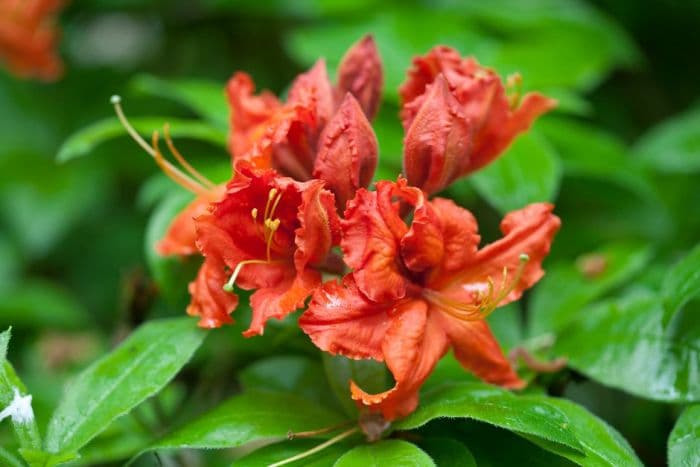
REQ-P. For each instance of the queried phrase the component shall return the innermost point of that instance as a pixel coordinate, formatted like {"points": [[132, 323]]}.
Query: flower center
{"points": [[485, 302], [270, 224]]}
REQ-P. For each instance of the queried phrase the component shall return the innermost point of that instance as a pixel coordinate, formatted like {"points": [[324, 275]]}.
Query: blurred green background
{"points": [[620, 157]]}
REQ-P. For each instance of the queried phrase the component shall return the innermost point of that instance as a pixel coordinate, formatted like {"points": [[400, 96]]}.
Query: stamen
{"points": [[308, 434], [196, 174], [173, 172], [228, 287], [254, 213], [318, 448]]}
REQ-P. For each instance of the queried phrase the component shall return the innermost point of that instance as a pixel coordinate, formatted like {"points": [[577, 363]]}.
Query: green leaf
{"points": [[206, 98], [684, 442], [623, 344], [527, 172], [291, 374], [84, 141], [682, 284], [384, 453], [674, 145], [369, 375], [566, 288], [4, 342], [526, 415], [45, 459], [254, 416], [280, 451], [144, 363], [603, 446], [8, 459], [448, 452], [38, 303]]}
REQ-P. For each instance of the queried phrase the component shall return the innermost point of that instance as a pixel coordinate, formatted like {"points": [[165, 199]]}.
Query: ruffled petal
{"points": [[342, 321], [413, 344], [319, 229], [280, 300], [249, 112], [459, 232], [360, 74], [423, 246], [372, 230], [180, 238], [209, 301], [478, 351], [438, 141], [314, 86], [528, 231], [347, 156]]}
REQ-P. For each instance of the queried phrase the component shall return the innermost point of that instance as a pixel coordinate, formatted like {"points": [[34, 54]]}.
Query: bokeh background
{"points": [[79, 211]]}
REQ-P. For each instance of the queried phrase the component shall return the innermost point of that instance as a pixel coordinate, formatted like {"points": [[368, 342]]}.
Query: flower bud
{"points": [[360, 74]]}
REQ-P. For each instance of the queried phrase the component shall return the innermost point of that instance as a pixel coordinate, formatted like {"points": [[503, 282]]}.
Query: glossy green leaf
{"points": [[448, 452], [285, 449], [684, 442], [527, 172], [622, 343], [8, 459], [528, 415], [253, 416], [567, 288], [369, 375], [42, 303], [682, 284], [603, 446], [84, 141], [206, 98], [46, 459], [674, 145], [144, 363], [384, 453]]}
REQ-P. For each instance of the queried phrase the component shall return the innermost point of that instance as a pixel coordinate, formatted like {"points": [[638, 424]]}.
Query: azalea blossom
{"points": [[417, 289], [28, 37], [322, 131], [269, 233], [458, 117]]}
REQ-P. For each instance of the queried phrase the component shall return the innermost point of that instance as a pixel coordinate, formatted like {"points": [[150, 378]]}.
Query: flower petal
{"points": [[422, 247], [528, 231], [341, 320], [360, 73], [478, 351], [180, 238], [319, 227], [412, 346], [280, 300], [438, 140], [314, 86], [372, 230], [347, 156], [459, 232], [249, 112], [209, 301]]}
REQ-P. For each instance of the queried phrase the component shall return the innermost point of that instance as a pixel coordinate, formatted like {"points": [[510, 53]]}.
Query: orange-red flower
{"points": [[458, 117], [269, 233], [28, 37], [322, 131], [418, 289]]}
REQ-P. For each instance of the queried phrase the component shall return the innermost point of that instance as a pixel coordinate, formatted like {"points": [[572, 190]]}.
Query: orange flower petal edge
{"points": [[416, 290]]}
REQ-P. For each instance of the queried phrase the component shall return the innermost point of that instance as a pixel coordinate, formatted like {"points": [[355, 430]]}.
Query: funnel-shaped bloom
{"points": [[416, 290], [268, 233], [28, 37], [290, 137], [450, 136]]}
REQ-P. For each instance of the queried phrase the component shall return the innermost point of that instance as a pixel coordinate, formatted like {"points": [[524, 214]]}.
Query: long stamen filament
{"points": [[170, 170], [316, 449], [228, 287], [487, 302], [183, 162], [307, 434]]}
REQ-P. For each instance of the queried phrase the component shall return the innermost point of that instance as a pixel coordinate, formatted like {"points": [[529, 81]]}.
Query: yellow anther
{"points": [[254, 213]]}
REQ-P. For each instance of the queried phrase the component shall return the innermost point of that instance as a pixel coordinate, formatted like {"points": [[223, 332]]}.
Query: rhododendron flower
{"points": [[322, 131], [458, 117], [28, 37], [418, 289], [269, 233]]}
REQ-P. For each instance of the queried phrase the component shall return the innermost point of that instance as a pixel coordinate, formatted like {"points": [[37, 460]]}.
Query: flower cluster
{"points": [[388, 274], [28, 37]]}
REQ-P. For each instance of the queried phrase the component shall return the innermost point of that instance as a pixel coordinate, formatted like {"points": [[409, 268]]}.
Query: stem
{"points": [[318, 448]]}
